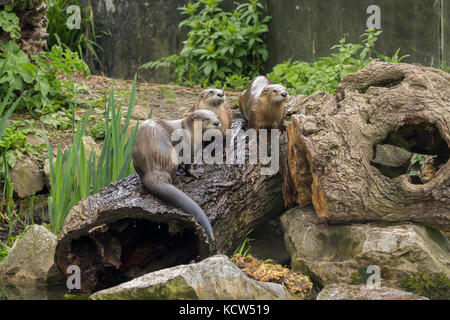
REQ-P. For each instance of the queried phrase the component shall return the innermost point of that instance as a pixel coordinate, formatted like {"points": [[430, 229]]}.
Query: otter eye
{"points": [[275, 91], [207, 119]]}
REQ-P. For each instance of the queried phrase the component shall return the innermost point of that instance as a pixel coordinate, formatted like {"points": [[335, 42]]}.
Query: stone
{"points": [[91, 146], [27, 178], [215, 278], [363, 292], [140, 112], [31, 261], [35, 140], [334, 253]]}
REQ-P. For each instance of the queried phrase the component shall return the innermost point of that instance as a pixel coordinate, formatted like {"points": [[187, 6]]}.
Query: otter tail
{"points": [[178, 198]]}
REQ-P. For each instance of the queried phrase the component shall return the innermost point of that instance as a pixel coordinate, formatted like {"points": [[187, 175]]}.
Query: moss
{"points": [[435, 286], [2, 295], [360, 277]]}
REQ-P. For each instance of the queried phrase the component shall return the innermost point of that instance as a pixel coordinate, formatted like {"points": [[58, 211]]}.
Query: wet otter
{"points": [[156, 160], [262, 104], [215, 100]]}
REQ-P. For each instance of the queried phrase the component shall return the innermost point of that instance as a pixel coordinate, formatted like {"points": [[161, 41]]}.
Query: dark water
{"points": [[55, 292]]}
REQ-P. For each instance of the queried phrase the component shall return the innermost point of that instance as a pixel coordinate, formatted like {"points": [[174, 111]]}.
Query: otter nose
{"points": [[221, 94], [217, 123], [284, 94]]}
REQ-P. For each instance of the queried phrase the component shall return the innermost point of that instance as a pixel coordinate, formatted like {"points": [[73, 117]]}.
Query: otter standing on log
{"points": [[262, 104], [215, 100], [156, 160]]}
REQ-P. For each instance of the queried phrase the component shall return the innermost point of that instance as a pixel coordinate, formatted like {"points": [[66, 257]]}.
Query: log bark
{"points": [[332, 141], [122, 233]]}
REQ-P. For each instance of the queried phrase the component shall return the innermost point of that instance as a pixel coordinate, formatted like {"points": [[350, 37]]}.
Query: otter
{"points": [[215, 100], [262, 104], [156, 160]]}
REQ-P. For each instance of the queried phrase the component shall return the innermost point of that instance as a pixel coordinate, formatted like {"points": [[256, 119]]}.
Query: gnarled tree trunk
{"points": [[332, 156]]}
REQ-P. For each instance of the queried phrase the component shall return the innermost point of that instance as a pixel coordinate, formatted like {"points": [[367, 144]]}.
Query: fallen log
{"points": [[332, 158], [122, 233]]}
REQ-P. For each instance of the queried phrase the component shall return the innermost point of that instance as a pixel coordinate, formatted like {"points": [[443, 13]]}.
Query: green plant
{"points": [[326, 73], [445, 67], [9, 22], [83, 40], [98, 131], [75, 176], [43, 91], [435, 286], [14, 143], [234, 82], [219, 43], [244, 249], [4, 251]]}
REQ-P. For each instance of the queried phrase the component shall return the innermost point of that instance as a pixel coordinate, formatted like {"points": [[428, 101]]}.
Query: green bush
{"points": [[43, 91], [326, 73], [220, 44]]}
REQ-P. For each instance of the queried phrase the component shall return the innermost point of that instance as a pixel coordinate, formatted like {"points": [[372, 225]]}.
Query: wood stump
{"points": [[332, 146]]}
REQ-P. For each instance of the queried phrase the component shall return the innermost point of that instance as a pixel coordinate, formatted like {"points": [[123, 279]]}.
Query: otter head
{"points": [[212, 97], [208, 118], [276, 93]]}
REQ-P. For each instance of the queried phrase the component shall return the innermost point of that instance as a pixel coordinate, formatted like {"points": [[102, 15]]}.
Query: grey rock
{"points": [[91, 146], [215, 278], [363, 292], [332, 254], [31, 261], [27, 178], [35, 140]]}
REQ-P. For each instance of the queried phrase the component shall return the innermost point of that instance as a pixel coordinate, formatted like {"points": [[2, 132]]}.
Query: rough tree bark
{"points": [[332, 144], [121, 233]]}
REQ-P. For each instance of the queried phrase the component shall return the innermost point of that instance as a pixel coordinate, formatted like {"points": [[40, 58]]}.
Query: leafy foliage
{"points": [[9, 22], [4, 251], [326, 73], [43, 91], [220, 44]]}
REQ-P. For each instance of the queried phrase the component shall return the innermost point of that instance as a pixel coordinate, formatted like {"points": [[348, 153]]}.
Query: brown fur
{"points": [[155, 159], [210, 100], [263, 104]]}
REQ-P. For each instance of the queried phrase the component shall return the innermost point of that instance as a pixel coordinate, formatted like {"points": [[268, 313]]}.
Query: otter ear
{"points": [[265, 90], [194, 116]]}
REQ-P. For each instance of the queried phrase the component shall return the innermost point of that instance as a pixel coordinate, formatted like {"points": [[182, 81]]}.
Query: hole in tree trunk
{"points": [[418, 150], [129, 248]]}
